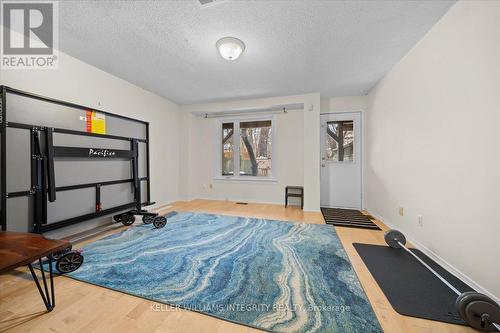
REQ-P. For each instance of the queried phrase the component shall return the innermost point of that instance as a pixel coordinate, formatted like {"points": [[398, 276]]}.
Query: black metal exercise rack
{"points": [[43, 185]]}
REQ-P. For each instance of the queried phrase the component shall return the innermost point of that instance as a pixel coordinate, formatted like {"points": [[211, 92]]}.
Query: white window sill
{"points": [[247, 179]]}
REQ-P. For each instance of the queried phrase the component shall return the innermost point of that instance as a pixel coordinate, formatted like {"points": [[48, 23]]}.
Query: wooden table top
{"points": [[20, 248]]}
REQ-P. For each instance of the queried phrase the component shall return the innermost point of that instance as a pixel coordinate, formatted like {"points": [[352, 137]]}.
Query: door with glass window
{"points": [[341, 160]]}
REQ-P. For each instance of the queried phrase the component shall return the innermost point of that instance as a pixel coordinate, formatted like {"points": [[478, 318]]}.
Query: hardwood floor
{"points": [[81, 307]]}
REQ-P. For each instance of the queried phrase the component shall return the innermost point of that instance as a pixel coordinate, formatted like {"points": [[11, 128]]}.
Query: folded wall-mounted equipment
{"points": [[52, 161]]}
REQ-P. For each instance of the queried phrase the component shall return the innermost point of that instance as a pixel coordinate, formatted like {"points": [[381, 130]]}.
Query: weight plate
{"points": [[478, 310], [160, 222], [393, 236], [69, 262], [128, 219], [462, 295], [148, 219]]}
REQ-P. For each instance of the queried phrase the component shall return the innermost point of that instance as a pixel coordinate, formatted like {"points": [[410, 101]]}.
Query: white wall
{"points": [[80, 83], [433, 142], [344, 104], [296, 160]]}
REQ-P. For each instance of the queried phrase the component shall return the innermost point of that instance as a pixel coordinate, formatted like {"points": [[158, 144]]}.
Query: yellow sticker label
{"points": [[96, 122]]}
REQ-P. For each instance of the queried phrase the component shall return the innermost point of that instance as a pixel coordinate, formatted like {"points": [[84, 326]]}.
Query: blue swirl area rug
{"points": [[273, 275]]}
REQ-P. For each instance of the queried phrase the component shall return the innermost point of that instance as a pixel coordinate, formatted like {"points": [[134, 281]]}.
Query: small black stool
{"points": [[297, 191]]}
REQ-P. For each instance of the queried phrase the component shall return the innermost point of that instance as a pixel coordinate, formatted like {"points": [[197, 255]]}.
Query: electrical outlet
{"points": [[420, 220], [401, 211], [204, 186]]}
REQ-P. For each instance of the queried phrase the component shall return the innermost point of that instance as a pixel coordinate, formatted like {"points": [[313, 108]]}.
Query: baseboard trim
{"points": [[161, 207], [264, 202], [438, 259]]}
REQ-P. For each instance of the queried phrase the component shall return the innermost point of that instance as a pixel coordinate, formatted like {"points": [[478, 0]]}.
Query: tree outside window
{"points": [[255, 148]]}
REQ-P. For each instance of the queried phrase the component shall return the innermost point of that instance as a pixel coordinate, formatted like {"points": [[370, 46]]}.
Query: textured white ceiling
{"points": [[338, 48]]}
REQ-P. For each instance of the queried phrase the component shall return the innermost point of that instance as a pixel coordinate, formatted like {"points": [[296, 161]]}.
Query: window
{"points": [[227, 149], [246, 148], [255, 148], [340, 141]]}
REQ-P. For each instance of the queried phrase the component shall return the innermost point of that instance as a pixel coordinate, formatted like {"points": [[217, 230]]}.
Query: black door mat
{"points": [[348, 218], [411, 288]]}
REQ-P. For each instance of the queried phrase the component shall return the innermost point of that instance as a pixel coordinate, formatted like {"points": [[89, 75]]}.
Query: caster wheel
{"points": [[69, 262], [148, 219], [58, 255], [160, 222], [128, 219], [117, 218]]}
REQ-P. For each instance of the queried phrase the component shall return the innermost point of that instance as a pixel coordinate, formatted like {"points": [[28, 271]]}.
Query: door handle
{"points": [[322, 165]]}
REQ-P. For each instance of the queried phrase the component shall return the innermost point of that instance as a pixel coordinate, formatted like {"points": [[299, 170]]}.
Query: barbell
{"points": [[477, 310]]}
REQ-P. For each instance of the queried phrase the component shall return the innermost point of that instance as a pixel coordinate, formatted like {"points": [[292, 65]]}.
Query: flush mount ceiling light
{"points": [[230, 48]]}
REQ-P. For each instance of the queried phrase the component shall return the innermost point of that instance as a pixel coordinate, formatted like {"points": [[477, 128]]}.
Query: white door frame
{"points": [[362, 143]]}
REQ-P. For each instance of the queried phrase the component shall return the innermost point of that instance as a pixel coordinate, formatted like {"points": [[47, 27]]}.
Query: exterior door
{"points": [[341, 183]]}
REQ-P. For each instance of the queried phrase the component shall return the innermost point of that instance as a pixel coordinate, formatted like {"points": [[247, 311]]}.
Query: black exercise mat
{"points": [[348, 218], [411, 288]]}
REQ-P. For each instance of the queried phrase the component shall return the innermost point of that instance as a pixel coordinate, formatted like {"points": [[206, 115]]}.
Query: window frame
{"points": [[236, 120]]}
